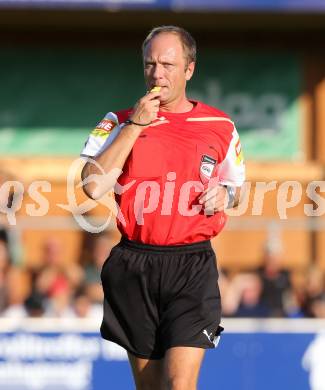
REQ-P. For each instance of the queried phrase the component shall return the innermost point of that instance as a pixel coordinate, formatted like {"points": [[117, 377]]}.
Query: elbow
{"points": [[88, 192], [94, 191], [88, 187], [96, 184]]}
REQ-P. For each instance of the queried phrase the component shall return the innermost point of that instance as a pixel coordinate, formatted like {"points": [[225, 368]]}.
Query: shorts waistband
{"points": [[184, 248]]}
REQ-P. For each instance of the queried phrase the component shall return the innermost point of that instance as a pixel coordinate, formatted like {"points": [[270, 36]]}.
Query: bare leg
{"points": [[147, 373], [182, 367]]}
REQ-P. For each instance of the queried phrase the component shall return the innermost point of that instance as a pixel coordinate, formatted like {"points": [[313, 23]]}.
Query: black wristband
{"points": [[130, 121]]}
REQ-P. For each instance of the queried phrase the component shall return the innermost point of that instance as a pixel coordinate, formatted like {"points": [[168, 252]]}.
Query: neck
{"points": [[177, 106]]}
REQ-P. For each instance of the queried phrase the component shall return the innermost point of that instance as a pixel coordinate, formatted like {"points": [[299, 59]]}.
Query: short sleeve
{"points": [[102, 136], [231, 171]]}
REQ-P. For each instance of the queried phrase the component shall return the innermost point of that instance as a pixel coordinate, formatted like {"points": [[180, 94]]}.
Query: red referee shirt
{"points": [[171, 163]]}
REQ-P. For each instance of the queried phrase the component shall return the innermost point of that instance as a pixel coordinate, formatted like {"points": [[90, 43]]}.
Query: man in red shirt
{"points": [[176, 164]]}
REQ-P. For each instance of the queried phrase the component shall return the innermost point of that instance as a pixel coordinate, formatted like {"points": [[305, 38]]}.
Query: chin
{"points": [[164, 97], [163, 100]]}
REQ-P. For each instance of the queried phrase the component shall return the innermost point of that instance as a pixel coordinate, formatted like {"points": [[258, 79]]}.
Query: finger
{"points": [[153, 108], [209, 193], [220, 206], [214, 203], [155, 103], [209, 208], [221, 197], [210, 190], [219, 209], [208, 196], [152, 95]]}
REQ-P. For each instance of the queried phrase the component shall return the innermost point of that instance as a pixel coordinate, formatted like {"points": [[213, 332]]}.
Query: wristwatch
{"points": [[231, 191]]}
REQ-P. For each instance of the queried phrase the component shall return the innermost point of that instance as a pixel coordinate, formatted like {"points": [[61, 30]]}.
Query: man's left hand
{"points": [[214, 199]]}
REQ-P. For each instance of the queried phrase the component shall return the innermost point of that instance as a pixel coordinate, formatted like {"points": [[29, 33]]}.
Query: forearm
{"points": [[111, 160], [117, 153]]}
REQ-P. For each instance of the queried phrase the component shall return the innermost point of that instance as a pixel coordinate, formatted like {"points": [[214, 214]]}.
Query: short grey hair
{"points": [[187, 41]]}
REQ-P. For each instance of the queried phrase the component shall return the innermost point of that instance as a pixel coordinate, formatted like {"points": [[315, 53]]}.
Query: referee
{"points": [[180, 165]]}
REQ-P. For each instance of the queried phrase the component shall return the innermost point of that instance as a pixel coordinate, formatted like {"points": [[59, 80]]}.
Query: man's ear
{"points": [[189, 71]]}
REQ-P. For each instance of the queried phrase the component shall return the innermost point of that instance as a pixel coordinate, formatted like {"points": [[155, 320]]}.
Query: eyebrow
{"points": [[150, 61]]}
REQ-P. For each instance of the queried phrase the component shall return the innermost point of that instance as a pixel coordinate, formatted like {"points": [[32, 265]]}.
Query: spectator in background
{"points": [[81, 303], [4, 267], [14, 283], [93, 255], [34, 305], [17, 289], [275, 281], [55, 281], [317, 306], [59, 303], [83, 307], [243, 297], [292, 305], [313, 304]]}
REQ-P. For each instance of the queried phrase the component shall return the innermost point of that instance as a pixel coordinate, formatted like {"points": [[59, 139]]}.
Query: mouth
{"points": [[160, 86]]}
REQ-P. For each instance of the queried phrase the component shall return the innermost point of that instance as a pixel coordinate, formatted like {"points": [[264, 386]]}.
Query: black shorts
{"points": [[158, 297]]}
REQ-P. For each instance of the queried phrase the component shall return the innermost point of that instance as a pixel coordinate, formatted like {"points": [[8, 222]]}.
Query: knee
{"points": [[180, 384]]}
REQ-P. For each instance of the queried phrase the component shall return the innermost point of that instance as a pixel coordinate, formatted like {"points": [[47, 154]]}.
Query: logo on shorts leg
{"points": [[213, 339]]}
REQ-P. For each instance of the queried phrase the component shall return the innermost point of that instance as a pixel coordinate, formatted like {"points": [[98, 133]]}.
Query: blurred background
{"points": [[64, 64]]}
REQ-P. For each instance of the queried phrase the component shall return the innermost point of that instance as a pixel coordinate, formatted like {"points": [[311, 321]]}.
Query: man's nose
{"points": [[158, 72]]}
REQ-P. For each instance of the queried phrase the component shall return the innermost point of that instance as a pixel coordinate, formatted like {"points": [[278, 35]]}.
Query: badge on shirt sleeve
{"points": [[103, 128], [239, 153], [207, 167]]}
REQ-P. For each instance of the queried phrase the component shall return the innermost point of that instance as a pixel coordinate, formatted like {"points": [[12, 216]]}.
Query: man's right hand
{"points": [[146, 109]]}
